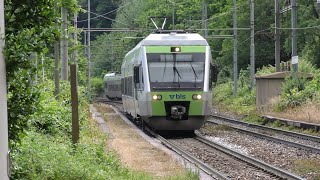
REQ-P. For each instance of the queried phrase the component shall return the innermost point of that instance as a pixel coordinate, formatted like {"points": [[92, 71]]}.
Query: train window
{"points": [[181, 57], [122, 86], [141, 82], [136, 74], [130, 86]]}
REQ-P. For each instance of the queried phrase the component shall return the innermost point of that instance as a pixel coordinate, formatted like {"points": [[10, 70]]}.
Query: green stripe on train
{"points": [[195, 108], [167, 49]]}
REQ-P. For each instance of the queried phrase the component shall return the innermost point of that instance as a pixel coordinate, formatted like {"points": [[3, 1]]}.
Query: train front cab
{"points": [[177, 94]]}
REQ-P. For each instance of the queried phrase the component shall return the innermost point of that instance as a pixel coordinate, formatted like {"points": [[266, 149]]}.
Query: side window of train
{"points": [[138, 77], [141, 77], [122, 86], [214, 71]]}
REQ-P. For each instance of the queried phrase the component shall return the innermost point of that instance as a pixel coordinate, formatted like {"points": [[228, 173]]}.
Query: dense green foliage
{"points": [[298, 90], [28, 31], [295, 91], [243, 103], [47, 152], [109, 49], [97, 85]]}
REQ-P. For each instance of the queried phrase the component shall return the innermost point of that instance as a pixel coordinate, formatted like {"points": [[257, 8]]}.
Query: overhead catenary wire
{"points": [[108, 12], [299, 28], [110, 19]]}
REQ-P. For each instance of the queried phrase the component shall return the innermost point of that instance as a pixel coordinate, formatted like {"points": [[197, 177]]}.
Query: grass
{"points": [[280, 125], [43, 156], [308, 166], [46, 152], [255, 119]]}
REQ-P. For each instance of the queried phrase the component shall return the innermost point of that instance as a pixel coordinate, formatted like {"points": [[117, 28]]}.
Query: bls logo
{"points": [[178, 96]]}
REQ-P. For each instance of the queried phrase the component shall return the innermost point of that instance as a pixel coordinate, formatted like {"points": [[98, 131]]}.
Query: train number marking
{"points": [[177, 96]]}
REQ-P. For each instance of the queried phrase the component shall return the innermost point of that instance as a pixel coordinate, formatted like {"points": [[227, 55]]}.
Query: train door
{"points": [[138, 86], [138, 81]]}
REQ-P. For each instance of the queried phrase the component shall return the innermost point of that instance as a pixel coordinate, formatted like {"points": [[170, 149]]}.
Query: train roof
{"points": [[110, 75], [171, 39], [174, 39]]}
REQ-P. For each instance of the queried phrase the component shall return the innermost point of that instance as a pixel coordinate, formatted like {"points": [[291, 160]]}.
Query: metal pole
{"points": [[277, 35], [235, 51], [75, 38], [64, 45], [56, 59], [173, 9], [42, 64], [89, 53], [4, 168], [36, 59], [112, 55], [252, 47], [205, 20], [295, 59], [202, 18], [85, 43]]}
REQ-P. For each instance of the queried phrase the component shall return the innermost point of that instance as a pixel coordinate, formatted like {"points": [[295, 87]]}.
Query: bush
{"points": [[97, 86], [54, 157], [54, 116], [266, 70], [244, 102]]}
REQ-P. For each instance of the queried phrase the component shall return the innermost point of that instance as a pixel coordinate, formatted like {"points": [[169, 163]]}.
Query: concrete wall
{"points": [[267, 89], [269, 86]]}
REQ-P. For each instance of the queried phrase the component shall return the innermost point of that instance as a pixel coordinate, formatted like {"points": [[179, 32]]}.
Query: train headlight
{"points": [[175, 49], [156, 97], [196, 97]]}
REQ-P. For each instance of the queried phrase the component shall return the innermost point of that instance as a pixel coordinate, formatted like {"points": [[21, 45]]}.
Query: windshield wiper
{"points": [[175, 70], [165, 67], [195, 75]]}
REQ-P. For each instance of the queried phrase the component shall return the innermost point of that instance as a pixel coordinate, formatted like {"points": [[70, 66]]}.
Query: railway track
{"points": [[248, 167], [261, 169], [192, 159], [106, 100], [298, 140]]}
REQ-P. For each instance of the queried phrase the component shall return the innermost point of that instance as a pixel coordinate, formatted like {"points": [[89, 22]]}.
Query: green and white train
{"points": [[167, 79]]}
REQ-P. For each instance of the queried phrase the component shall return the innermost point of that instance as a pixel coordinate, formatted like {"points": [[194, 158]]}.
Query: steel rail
{"points": [[289, 133], [255, 162], [104, 100], [274, 139], [198, 163]]}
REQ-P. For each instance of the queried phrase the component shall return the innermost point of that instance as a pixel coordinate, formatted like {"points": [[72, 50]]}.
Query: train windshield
{"points": [[181, 70]]}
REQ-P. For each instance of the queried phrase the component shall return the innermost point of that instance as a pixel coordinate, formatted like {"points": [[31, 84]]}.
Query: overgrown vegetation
{"points": [[30, 33], [97, 85], [47, 152], [308, 166], [296, 91], [243, 103]]}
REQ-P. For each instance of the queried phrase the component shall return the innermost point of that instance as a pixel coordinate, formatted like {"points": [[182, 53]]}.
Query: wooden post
{"points": [[74, 103]]}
